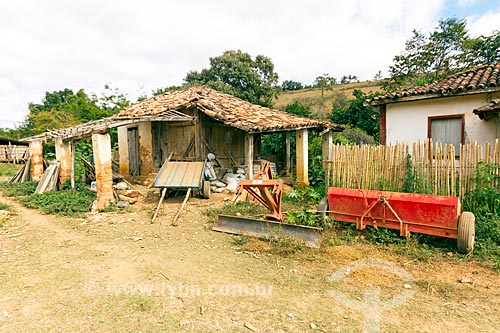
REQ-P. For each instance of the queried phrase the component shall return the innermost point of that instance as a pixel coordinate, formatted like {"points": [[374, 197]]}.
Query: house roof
{"points": [[7, 141], [103, 125], [228, 109], [486, 110], [481, 79]]}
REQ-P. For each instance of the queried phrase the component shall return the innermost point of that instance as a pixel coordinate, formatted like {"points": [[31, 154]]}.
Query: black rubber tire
{"points": [[466, 230], [323, 208], [206, 189]]}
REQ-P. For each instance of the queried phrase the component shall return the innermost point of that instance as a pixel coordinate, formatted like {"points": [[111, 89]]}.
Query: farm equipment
{"points": [[181, 176], [267, 191], [407, 212]]}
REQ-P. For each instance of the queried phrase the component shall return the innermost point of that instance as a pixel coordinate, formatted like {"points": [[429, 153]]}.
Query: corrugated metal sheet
{"points": [[180, 175]]}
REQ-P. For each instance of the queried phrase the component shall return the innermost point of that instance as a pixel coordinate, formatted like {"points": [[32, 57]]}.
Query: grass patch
{"points": [[73, 203], [242, 208], [8, 169], [4, 206], [18, 189]]}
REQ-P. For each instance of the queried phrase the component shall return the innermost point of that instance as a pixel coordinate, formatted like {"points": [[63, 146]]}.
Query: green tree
{"points": [[289, 85], [349, 79], [482, 50], [64, 108], [112, 100], [298, 109], [444, 51], [356, 115], [161, 91], [324, 82], [236, 73]]}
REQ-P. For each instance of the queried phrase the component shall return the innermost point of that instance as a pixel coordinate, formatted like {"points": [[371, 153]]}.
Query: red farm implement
{"points": [[406, 212]]}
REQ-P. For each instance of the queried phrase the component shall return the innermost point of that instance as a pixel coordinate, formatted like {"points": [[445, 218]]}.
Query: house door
{"points": [[133, 151]]}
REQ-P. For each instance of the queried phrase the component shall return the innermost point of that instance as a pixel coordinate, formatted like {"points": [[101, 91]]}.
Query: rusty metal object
{"points": [[268, 192], [406, 212], [268, 229]]}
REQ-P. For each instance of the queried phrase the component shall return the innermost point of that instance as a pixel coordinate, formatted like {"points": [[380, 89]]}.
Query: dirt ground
{"points": [[115, 272]]}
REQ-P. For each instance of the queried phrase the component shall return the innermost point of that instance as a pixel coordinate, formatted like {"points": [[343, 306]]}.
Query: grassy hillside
{"points": [[312, 97]]}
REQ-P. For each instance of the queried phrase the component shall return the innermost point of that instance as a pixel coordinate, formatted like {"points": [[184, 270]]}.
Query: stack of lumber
{"points": [[23, 174], [49, 180], [90, 172]]}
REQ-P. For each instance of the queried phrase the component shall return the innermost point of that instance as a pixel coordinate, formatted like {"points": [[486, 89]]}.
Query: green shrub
{"points": [[304, 217], [72, 203], [484, 202], [306, 194]]}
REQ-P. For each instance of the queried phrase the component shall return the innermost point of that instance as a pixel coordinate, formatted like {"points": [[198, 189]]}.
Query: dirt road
{"points": [[115, 272]]}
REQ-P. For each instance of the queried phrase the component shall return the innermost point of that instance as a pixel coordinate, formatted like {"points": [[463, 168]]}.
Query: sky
{"points": [[139, 46]]}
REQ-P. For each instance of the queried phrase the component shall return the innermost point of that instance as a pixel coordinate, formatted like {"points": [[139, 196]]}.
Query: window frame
{"points": [[450, 116]]}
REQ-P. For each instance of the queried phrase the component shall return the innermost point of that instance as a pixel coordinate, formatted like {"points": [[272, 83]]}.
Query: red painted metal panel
{"points": [[431, 214]]}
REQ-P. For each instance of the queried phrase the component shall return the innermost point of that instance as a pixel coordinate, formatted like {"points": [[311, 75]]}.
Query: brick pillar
{"points": [[36, 159], [146, 147], [123, 150], [65, 158], [101, 146], [302, 158]]}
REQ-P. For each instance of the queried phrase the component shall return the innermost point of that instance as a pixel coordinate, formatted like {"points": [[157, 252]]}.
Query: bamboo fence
{"points": [[422, 167]]}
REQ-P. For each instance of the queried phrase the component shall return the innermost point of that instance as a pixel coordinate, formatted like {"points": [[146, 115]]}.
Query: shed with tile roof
{"points": [[443, 110], [224, 125]]}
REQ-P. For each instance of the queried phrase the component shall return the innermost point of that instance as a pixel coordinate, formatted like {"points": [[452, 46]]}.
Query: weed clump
{"points": [[71, 203]]}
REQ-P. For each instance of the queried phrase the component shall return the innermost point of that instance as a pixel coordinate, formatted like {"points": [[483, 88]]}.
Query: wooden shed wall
{"points": [[186, 143]]}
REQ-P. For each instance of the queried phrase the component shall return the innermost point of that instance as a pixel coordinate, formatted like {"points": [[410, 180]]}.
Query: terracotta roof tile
{"points": [[485, 111], [475, 79], [228, 109]]}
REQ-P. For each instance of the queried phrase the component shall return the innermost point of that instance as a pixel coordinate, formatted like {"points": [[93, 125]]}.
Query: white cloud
{"points": [[134, 45], [467, 3], [484, 24]]}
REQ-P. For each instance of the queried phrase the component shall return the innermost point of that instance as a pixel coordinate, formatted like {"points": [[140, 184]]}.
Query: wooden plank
{"points": [[175, 223], [45, 180]]}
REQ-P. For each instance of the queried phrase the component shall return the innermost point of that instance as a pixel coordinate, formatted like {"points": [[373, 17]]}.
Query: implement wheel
{"points": [[466, 232], [206, 189]]}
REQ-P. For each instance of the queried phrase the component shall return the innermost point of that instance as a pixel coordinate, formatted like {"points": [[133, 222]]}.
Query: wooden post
{"points": [[146, 147], [73, 152], [64, 157], [327, 142], [302, 158], [197, 136], [123, 158], [249, 154], [101, 146], [288, 157], [36, 157], [326, 151]]}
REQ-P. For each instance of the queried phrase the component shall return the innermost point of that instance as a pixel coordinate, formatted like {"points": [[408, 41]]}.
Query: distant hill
{"points": [[312, 97]]}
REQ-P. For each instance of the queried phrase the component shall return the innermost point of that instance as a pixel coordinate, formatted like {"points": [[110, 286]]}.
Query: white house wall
{"points": [[408, 121]]}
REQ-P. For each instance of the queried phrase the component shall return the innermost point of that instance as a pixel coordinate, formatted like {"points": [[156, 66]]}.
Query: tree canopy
{"points": [[289, 85], [238, 74], [65, 108], [444, 51], [356, 115]]}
